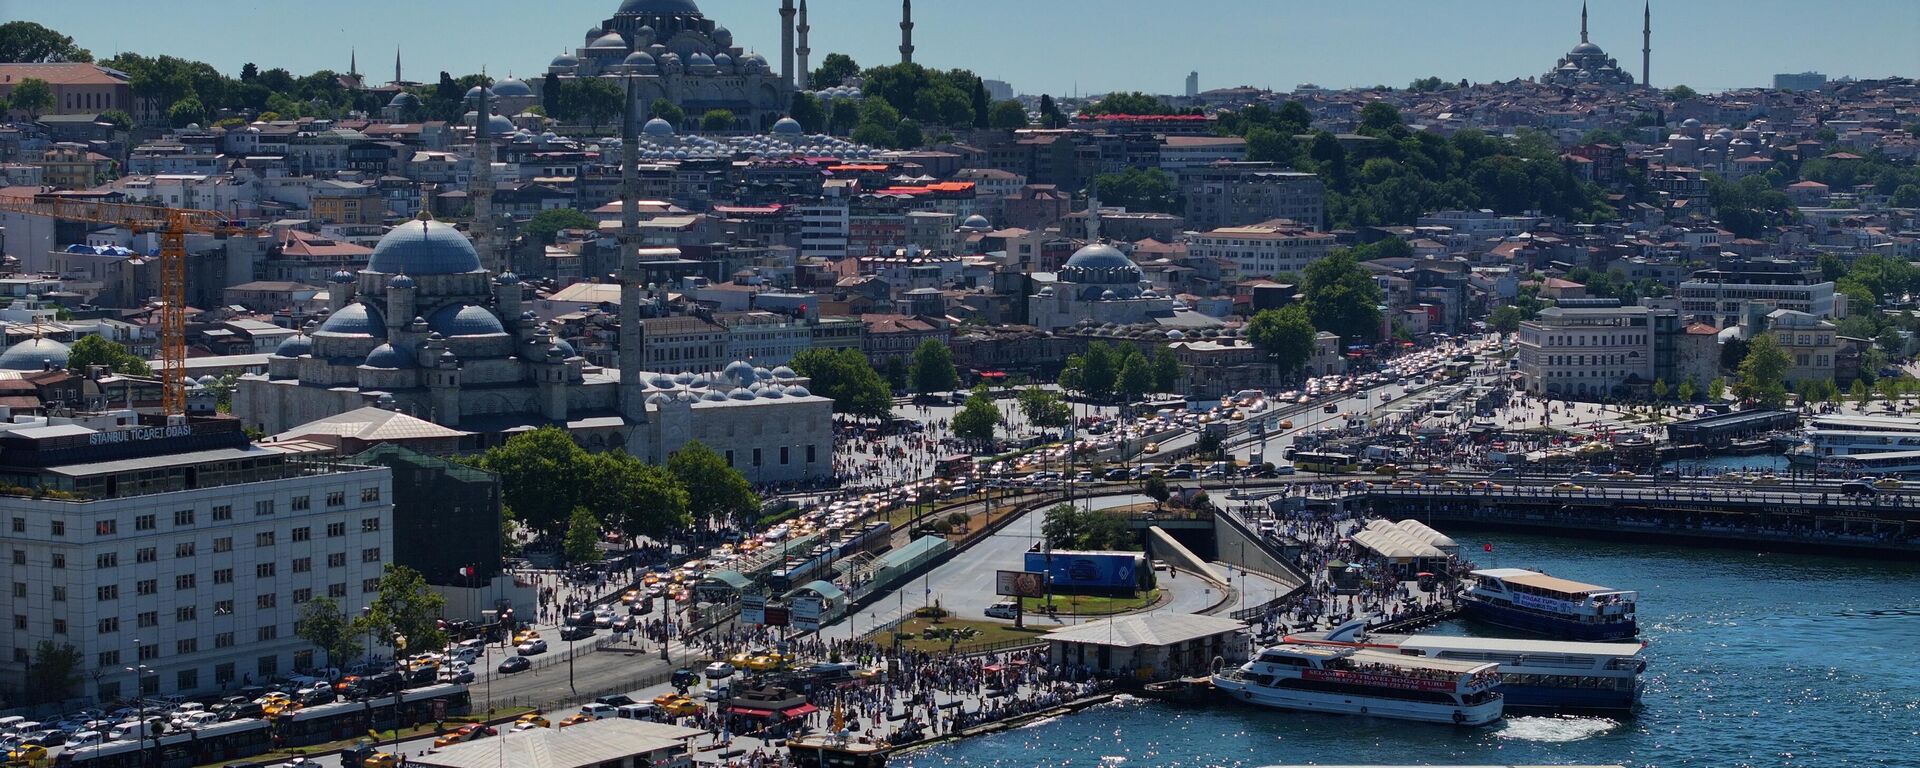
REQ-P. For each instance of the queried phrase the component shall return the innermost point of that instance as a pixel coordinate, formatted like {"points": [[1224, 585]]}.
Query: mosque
{"points": [[1587, 64], [1098, 284]]}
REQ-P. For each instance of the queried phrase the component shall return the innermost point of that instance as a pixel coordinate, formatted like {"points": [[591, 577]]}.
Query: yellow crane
{"points": [[173, 225]]}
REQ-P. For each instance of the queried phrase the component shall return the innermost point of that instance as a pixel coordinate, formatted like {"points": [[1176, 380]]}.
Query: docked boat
{"points": [[1534, 674], [1358, 681], [1531, 601]]}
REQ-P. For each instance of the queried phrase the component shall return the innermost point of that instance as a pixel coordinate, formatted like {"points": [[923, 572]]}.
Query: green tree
{"points": [[1007, 115], [1166, 370], [594, 99], [1507, 318], [638, 498], [325, 625], [806, 110], [33, 96], [24, 42], [933, 369], [93, 350], [1155, 487], [1342, 297], [187, 111], [717, 121], [878, 125], [943, 105], [979, 105], [1050, 114], [546, 225], [1209, 444], [1094, 373], [666, 110], [407, 609], [978, 418], [540, 473], [120, 120], [583, 537], [1681, 93], [833, 71], [845, 376], [1285, 334], [1129, 103], [715, 490], [1044, 408], [1859, 391], [897, 373], [1717, 390], [907, 134], [1149, 189], [1136, 375], [1763, 372], [1659, 389], [54, 673], [1688, 390]]}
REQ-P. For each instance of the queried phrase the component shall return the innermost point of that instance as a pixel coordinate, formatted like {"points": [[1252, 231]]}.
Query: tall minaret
{"points": [[1646, 45], [1583, 22], [906, 31], [1093, 218], [804, 77], [786, 41], [396, 65], [480, 184], [353, 62], [632, 335]]}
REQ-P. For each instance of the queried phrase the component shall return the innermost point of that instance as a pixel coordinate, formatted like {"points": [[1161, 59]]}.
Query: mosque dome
{"points": [[772, 393], [657, 128], [659, 398], [400, 281], [714, 395], [341, 277], [740, 371], [565, 348], [498, 125], [354, 320], [741, 394], [699, 62], [609, 41], [798, 391], [976, 223], [1586, 49], [464, 320], [723, 37], [783, 372], [1100, 263], [661, 381], [424, 248], [474, 93], [511, 88], [787, 126], [638, 59], [388, 357], [658, 7], [294, 346], [1690, 122], [565, 60], [404, 100], [507, 278], [723, 61], [34, 354]]}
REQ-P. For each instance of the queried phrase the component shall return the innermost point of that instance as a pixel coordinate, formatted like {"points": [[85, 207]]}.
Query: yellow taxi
{"points": [[1886, 484], [1452, 485], [467, 732], [576, 719], [676, 705], [1387, 469], [28, 755], [630, 596], [525, 636], [381, 760], [1567, 487], [534, 720]]}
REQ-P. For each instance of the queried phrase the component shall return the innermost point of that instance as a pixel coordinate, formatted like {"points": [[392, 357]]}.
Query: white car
{"points": [[532, 647], [719, 670], [1003, 610]]}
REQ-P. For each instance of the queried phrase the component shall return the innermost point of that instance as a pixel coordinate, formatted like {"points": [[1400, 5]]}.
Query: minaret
{"points": [[1583, 22], [396, 65], [906, 31], [480, 185], [632, 335], [353, 62], [1646, 44], [786, 41], [803, 77], [1093, 218]]}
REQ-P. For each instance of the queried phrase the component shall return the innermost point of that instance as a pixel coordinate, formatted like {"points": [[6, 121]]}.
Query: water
{"points": [[1766, 462], [1756, 660]]}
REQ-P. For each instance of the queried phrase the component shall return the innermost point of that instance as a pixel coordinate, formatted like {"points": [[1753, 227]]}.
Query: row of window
{"points": [[784, 456], [223, 513], [189, 613], [265, 570], [186, 549], [189, 679]]}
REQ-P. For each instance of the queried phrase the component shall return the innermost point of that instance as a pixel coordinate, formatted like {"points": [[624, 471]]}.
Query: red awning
{"points": [[799, 711], [749, 712]]}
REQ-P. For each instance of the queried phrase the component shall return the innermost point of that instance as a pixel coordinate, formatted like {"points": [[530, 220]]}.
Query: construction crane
{"points": [[173, 225]]}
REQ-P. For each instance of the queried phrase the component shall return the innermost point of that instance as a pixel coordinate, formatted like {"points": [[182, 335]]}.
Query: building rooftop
{"points": [[584, 745], [1151, 629]]}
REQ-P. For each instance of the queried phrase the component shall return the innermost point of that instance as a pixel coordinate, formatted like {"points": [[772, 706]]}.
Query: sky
{"points": [[1050, 46]]}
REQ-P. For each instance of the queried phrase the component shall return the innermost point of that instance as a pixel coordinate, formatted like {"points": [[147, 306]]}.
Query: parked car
{"points": [[1005, 609]]}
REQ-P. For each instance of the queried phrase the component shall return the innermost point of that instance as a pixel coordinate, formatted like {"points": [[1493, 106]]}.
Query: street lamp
{"points": [[139, 678]]}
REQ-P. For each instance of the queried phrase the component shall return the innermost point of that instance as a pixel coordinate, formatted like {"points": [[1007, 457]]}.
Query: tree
{"points": [[879, 123], [1166, 370], [540, 474], [546, 224], [717, 121], [978, 418], [1007, 115], [187, 111], [897, 373], [1129, 103], [583, 537], [1858, 391], [120, 120], [638, 498], [979, 105], [31, 95], [833, 70], [805, 109], [94, 350], [907, 134], [24, 42], [1688, 389], [845, 376], [1659, 389], [1155, 487], [1285, 334], [1507, 318], [407, 609], [715, 490], [1044, 408], [1342, 297], [1138, 189], [1209, 444], [933, 369], [1136, 375], [54, 674], [667, 110], [326, 625], [594, 99], [1050, 114], [1069, 528], [1762, 373], [1681, 93]]}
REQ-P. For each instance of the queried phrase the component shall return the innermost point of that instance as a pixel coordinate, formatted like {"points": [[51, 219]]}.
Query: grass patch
{"points": [[1094, 605], [387, 737], [914, 634]]}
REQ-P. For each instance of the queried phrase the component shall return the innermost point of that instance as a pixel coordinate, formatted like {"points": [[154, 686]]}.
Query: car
{"points": [[1567, 487], [1765, 480], [1452, 485], [616, 700], [1887, 484], [676, 705], [1857, 488], [1435, 469], [1005, 609], [1160, 565], [576, 632], [718, 670], [576, 719], [685, 677], [462, 675], [467, 732], [718, 693], [1486, 485], [1624, 475], [534, 647], [531, 720], [1387, 469], [514, 664]]}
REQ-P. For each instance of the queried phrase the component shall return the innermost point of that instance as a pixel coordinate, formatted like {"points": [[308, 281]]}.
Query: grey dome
{"points": [[659, 398], [511, 87], [34, 354], [976, 222], [740, 371], [638, 59], [388, 357], [661, 381], [741, 394], [465, 320], [1100, 263], [404, 100], [498, 125], [474, 93], [294, 346], [660, 7], [714, 395], [342, 276], [787, 126], [657, 128], [609, 41], [783, 372], [565, 348], [723, 61], [772, 393], [354, 320], [723, 37], [798, 391], [565, 60], [700, 61], [424, 248], [400, 281], [1586, 48]]}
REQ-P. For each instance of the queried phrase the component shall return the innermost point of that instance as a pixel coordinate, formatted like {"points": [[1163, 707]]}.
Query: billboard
{"points": [[1020, 583], [753, 610], [807, 612], [1089, 570]]}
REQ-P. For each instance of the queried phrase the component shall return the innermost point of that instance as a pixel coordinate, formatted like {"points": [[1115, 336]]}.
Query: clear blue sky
{"points": [[1052, 45]]}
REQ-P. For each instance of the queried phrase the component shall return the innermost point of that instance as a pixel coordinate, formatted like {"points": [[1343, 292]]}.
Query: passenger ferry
{"points": [[1534, 674], [1356, 681], [1531, 601]]}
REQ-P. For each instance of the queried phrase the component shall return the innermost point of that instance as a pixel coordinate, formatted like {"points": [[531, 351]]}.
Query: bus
{"points": [[177, 749], [1325, 462], [953, 467], [1456, 370]]}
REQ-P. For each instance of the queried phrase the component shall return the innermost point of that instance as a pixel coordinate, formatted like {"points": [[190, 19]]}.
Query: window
{"points": [[783, 454], [302, 503], [106, 560], [263, 570], [186, 613], [108, 625], [302, 534], [263, 507], [303, 659], [59, 594], [337, 560], [336, 590], [107, 592], [146, 587], [756, 457], [19, 525], [223, 673], [183, 549], [337, 499], [267, 632], [222, 513], [188, 679], [59, 527], [263, 539], [20, 589], [302, 565], [370, 525], [59, 560], [335, 530], [810, 454], [20, 622], [59, 626], [106, 527], [371, 493], [223, 608], [146, 555], [268, 665], [302, 595], [223, 544], [19, 557], [148, 619], [183, 517], [266, 601], [144, 523], [108, 658], [369, 586], [370, 555], [183, 581], [223, 576]]}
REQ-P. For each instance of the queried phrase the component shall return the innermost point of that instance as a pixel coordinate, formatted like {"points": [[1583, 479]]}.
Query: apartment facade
{"points": [[1587, 351]]}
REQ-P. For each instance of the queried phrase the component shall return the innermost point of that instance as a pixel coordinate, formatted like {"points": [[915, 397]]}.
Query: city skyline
{"points": [[1693, 43]]}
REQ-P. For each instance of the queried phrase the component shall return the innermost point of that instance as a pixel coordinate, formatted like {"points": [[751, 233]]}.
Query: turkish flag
{"points": [[1487, 546]]}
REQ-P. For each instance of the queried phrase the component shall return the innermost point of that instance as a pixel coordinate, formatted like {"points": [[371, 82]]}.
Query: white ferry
{"points": [[1534, 674], [1532, 601], [1355, 681]]}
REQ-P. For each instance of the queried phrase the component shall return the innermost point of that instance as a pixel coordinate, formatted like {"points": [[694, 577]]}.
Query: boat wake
{"points": [[1554, 730], [1037, 723]]}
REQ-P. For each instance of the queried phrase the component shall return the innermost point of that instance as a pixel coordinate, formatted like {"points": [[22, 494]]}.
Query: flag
{"points": [[1487, 546]]}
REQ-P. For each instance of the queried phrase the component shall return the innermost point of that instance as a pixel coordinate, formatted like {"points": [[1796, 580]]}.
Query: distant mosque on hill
{"points": [[1587, 64]]}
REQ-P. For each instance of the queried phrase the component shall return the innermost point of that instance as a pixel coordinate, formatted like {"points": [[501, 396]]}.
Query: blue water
{"points": [[1755, 660], [1769, 462]]}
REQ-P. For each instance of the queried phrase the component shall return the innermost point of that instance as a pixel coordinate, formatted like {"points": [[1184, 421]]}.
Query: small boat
{"points": [[1531, 601], [1534, 674], [1359, 681], [1185, 690]]}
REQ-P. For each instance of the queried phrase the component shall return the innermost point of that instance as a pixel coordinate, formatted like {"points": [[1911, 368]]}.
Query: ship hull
{"points": [[1563, 629], [1346, 704]]}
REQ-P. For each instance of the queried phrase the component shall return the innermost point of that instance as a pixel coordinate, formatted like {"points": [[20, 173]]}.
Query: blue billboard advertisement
{"points": [[1089, 570]]}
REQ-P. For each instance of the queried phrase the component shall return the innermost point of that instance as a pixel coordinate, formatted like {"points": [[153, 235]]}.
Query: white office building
{"points": [[823, 230], [1587, 351], [1262, 250], [176, 558]]}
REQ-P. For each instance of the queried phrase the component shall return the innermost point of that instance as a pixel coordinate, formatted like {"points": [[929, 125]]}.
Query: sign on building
{"points": [[753, 610], [808, 612]]}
